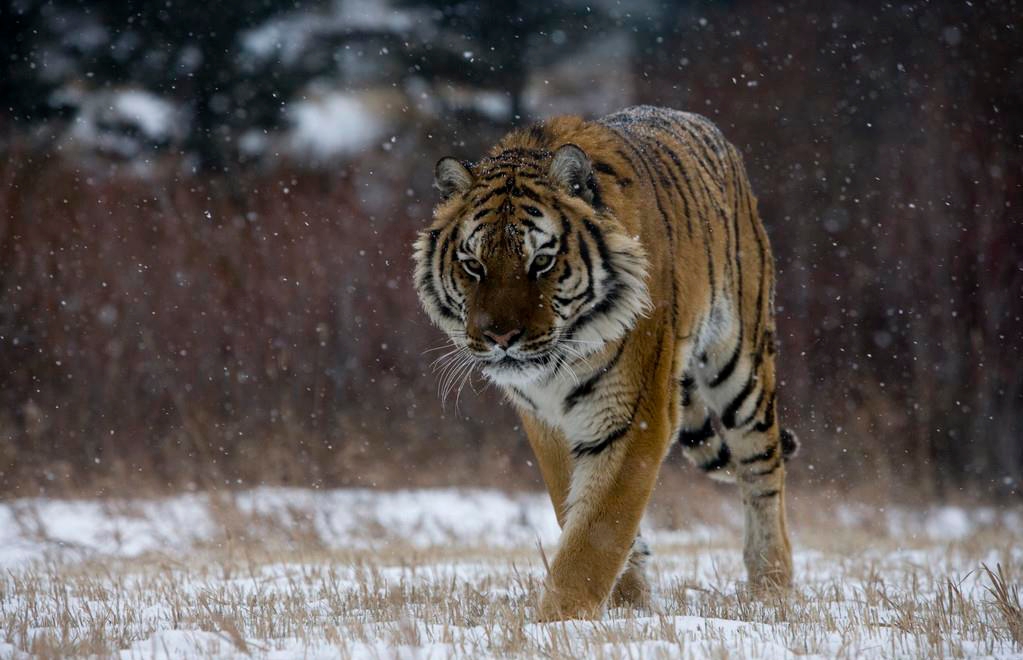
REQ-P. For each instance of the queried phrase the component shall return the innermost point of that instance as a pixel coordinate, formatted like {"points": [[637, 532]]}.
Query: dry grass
{"points": [[263, 589]]}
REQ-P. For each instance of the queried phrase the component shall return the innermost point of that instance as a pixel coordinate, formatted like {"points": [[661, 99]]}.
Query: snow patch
{"points": [[334, 123]]}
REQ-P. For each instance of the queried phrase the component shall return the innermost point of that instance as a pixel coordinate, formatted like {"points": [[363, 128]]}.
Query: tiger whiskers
{"points": [[467, 378], [449, 376], [562, 364], [452, 367], [565, 345], [451, 341]]}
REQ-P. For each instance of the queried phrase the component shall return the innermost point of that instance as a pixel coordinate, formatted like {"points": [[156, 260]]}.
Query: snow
{"points": [[289, 572], [154, 116], [67, 530], [291, 35], [42, 529], [123, 121], [334, 123]]}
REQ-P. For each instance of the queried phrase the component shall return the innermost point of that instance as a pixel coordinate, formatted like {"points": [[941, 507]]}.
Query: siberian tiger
{"points": [[614, 279]]}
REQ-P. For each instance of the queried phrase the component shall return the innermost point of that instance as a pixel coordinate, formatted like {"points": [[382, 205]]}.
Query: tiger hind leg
{"points": [[737, 438], [699, 436], [759, 449], [633, 586]]}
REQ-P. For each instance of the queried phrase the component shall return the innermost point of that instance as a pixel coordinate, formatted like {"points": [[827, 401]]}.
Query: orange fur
{"points": [[613, 276]]}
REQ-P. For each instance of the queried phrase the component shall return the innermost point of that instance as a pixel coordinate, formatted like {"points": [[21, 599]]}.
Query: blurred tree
{"points": [[28, 28], [190, 50], [496, 45]]}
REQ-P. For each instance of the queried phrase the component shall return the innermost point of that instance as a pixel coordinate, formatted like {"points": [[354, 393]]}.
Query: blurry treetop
{"points": [[229, 70]]}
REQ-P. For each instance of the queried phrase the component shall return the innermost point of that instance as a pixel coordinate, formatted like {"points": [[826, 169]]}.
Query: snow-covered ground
{"points": [[455, 573]]}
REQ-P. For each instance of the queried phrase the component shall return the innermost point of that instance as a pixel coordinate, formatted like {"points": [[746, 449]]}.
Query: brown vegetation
{"points": [[172, 330], [265, 585]]}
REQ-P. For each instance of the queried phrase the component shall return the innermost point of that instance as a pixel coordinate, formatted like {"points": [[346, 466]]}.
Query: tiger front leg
{"points": [[608, 495]]}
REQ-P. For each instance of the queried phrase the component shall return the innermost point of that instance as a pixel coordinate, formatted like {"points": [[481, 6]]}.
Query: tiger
{"points": [[613, 278]]}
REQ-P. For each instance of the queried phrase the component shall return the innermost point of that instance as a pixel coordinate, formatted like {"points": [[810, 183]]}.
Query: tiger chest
{"points": [[590, 411]]}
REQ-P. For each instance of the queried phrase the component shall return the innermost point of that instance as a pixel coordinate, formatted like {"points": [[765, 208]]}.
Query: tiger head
{"points": [[524, 267]]}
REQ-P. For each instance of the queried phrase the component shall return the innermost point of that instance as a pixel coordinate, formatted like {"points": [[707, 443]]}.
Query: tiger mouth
{"points": [[521, 362]]}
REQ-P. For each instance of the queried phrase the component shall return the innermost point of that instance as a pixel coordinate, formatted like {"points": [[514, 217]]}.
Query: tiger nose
{"points": [[505, 340]]}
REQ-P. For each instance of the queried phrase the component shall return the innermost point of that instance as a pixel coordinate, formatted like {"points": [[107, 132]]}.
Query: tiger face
{"points": [[523, 267]]}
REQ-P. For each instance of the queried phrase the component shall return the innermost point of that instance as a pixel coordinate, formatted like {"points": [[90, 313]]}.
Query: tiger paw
{"points": [[556, 606], [632, 590], [770, 571]]}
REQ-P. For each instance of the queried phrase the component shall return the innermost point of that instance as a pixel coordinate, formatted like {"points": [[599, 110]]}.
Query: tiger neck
{"points": [[554, 398]]}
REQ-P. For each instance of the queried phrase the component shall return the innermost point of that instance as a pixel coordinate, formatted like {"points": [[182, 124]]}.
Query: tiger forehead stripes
{"points": [[615, 279]]}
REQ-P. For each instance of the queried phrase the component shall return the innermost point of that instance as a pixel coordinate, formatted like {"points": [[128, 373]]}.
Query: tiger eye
{"points": [[542, 261], [474, 268]]}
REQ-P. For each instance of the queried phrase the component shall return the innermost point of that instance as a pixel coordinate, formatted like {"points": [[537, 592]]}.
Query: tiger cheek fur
{"points": [[614, 277]]}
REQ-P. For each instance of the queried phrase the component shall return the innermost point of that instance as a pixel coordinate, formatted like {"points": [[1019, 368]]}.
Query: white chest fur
{"points": [[587, 404]]}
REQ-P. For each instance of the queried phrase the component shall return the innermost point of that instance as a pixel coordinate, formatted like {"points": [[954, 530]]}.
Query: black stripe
{"points": [[697, 155], [476, 229], [742, 186], [718, 462], [549, 243], [566, 231], [687, 127], [612, 283], [439, 288], [442, 259], [426, 281], [595, 448], [740, 293], [764, 426], [669, 227], [604, 168], [486, 198], [763, 473], [680, 189], [765, 455], [729, 367], [687, 383], [536, 341], [586, 387], [527, 192], [766, 494], [728, 418], [694, 438], [707, 239], [756, 409], [529, 223], [565, 302], [522, 395], [584, 255], [495, 174], [666, 126], [733, 236]]}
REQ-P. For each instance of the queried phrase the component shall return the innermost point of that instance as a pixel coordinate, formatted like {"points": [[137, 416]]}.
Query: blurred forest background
{"points": [[206, 211]]}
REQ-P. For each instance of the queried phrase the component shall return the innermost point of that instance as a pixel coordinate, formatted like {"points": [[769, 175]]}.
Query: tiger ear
{"points": [[451, 176], [571, 170]]}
